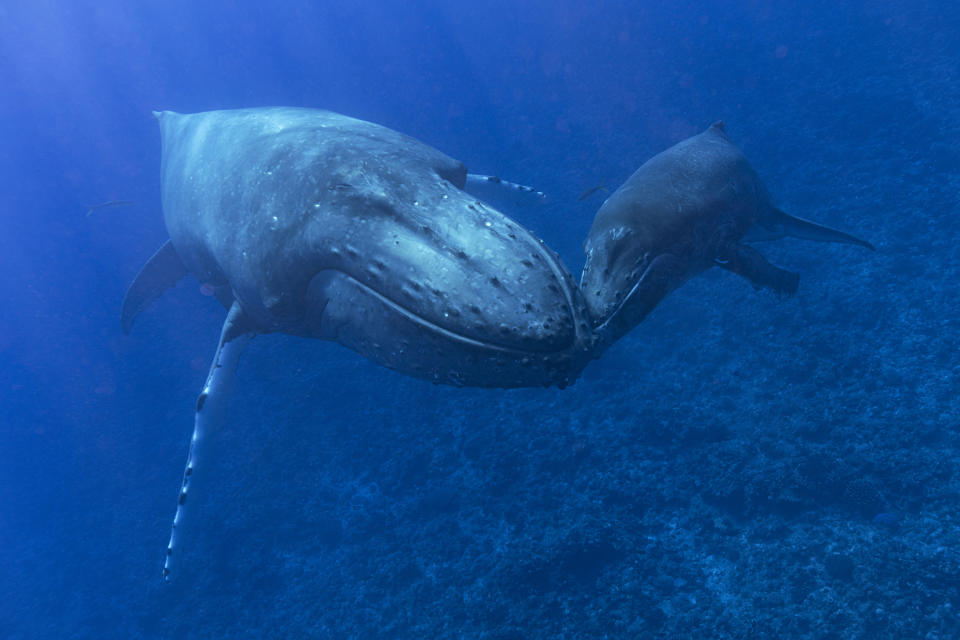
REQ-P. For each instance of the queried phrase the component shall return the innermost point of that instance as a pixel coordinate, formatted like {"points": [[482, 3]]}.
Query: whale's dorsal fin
{"points": [[777, 224], [161, 272]]}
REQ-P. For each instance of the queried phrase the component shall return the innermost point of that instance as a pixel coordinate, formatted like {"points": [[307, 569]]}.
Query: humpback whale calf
{"points": [[683, 211], [316, 224]]}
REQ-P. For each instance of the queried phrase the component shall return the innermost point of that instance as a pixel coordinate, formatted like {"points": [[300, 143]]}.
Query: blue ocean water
{"points": [[740, 465]]}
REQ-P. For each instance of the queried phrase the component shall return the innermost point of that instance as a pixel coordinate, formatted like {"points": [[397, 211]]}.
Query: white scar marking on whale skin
{"points": [[211, 412]]}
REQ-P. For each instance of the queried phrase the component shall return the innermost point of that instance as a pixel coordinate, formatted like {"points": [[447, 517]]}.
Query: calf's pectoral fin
{"points": [[748, 262], [161, 272]]}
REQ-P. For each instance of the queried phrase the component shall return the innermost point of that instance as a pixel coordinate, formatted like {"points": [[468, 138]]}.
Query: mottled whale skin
{"points": [[329, 227], [683, 211]]}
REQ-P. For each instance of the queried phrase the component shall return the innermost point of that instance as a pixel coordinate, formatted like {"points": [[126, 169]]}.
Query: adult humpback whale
{"points": [[316, 224]]}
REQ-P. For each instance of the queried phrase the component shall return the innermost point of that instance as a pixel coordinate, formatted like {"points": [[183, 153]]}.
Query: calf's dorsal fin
{"points": [[161, 272]]}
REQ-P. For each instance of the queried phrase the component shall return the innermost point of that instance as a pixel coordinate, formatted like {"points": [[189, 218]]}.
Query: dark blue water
{"points": [[739, 466]]}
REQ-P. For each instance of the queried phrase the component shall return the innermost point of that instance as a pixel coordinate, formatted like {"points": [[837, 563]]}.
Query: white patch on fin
{"points": [[211, 412]]}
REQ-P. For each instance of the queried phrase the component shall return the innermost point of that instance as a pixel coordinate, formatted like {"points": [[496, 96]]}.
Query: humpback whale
{"points": [[315, 224], [685, 210]]}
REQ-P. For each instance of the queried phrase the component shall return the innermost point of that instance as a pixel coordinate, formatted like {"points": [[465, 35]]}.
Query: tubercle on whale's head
{"points": [[443, 287]]}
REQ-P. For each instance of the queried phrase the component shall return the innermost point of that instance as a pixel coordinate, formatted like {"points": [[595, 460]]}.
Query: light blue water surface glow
{"points": [[738, 466]]}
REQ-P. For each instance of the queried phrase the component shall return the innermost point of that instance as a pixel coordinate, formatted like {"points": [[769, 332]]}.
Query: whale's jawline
{"points": [[439, 330]]}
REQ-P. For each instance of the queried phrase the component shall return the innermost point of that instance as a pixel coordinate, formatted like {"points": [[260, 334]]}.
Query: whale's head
{"points": [[422, 277], [335, 228]]}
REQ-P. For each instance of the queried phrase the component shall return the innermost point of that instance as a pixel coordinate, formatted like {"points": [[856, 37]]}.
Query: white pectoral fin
{"points": [[211, 412], [162, 271], [494, 191]]}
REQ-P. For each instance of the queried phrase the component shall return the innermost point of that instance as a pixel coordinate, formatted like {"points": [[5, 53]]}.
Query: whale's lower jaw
{"points": [[386, 332]]}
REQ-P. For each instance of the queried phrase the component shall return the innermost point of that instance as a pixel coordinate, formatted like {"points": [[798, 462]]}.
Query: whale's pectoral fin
{"points": [[748, 262], [497, 191], [211, 414], [161, 272], [777, 224]]}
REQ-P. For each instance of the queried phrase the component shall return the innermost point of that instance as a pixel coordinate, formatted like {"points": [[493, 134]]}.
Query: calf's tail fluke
{"points": [[779, 224]]}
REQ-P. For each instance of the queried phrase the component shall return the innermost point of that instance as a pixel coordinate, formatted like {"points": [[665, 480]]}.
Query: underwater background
{"points": [[739, 466]]}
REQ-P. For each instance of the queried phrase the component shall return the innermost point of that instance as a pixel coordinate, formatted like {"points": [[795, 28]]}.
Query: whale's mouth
{"points": [[433, 327], [609, 284], [661, 275], [420, 320], [401, 336], [617, 308]]}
